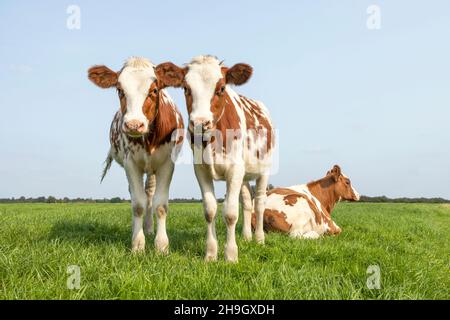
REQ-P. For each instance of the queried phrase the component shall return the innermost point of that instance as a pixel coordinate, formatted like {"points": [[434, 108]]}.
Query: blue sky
{"points": [[377, 102]]}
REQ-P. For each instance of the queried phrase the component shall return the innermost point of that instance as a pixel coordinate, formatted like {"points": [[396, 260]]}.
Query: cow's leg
{"points": [[231, 211], [247, 208], [260, 201], [150, 185], [160, 205], [209, 208], [333, 228], [138, 204]]}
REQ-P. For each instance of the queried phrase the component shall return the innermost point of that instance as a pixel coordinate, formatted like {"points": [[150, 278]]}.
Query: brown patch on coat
{"points": [[228, 121], [273, 221], [138, 211], [256, 113], [290, 199], [164, 124]]}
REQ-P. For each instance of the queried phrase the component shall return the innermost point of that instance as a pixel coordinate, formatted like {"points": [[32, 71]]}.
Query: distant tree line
{"points": [[51, 199], [384, 199]]}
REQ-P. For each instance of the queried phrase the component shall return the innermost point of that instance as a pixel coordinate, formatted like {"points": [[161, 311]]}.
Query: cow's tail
{"points": [[108, 162]]}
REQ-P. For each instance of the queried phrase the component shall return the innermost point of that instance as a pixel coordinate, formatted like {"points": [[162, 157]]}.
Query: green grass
{"points": [[409, 242]]}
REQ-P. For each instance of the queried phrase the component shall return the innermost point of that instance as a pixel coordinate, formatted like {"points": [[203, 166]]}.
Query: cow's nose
{"points": [[135, 126], [203, 123]]}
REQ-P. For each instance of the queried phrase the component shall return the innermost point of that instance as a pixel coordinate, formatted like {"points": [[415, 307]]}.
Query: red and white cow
{"points": [[304, 211], [232, 139], [145, 135]]}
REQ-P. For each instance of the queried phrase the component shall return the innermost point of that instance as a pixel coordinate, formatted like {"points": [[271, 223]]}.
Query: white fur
{"points": [[202, 77], [135, 79]]}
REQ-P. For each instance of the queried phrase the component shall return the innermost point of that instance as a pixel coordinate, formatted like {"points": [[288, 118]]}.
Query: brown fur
{"points": [[330, 189], [165, 123], [273, 221], [102, 76], [264, 124], [238, 74], [170, 75], [229, 120]]}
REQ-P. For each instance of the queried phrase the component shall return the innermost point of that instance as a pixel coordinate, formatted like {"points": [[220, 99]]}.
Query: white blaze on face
{"points": [[203, 74], [135, 80], [356, 193]]}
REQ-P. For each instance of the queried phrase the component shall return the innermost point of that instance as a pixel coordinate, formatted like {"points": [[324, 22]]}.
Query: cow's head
{"points": [[138, 88], [342, 185], [204, 81]]}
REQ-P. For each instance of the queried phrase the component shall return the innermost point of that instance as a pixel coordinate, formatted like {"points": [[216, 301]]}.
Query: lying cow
{"points": [[304, 211]]}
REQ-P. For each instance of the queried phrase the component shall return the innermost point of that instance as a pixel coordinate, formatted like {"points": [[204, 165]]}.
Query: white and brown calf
{"points": [[145, 136], [232, 140], [304, 211]]}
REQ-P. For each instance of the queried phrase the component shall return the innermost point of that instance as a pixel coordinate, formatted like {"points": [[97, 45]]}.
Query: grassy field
{"points": [[409, 242]]}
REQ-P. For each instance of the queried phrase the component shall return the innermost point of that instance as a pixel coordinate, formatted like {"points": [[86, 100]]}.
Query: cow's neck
{"points": [[228, 120], [324, 191]]}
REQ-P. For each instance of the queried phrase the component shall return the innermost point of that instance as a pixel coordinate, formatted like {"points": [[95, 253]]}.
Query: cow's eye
{"points": [[186, 90], [120, 93], [154, 91], [221, 90]]}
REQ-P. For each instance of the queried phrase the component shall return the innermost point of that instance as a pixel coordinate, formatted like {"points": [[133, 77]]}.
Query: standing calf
{"points": [[145, 136], [232, 139]]}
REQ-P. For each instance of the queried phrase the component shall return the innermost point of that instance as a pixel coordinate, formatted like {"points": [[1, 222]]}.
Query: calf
{"points": [[304, 211], [232, 139], [145, 135]]}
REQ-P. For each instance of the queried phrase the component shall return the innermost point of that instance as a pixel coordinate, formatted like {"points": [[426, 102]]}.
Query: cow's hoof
{"points": [[138, 243], [162, 245], [259, 238], [231, 254], [210, 258], [247, 236]]}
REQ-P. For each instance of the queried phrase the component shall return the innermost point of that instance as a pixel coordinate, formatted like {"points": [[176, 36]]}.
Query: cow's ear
{"points": [[103, 76], [169, 75], [335, 172], [238, 74]]}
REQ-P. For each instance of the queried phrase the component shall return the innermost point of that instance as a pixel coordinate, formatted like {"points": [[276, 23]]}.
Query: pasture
{"points": [[409, 242]]}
